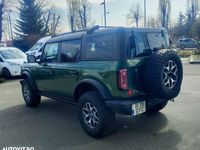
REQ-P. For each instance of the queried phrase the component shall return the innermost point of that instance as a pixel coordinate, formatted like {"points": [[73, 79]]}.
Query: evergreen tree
{"points": [[30, 25]]}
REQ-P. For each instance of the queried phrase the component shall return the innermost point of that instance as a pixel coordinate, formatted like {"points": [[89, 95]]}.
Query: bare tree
{"points": [[153, 22], [5, 10], [192, 11], [181, 19], [84, 11], [1, 17], [74, 14], [52, 20], [135, 14], [78, 14], [165, 12]]}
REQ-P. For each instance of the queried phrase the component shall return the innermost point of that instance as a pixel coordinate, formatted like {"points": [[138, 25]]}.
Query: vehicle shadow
{"points": [[55, 126], [12, 79]]}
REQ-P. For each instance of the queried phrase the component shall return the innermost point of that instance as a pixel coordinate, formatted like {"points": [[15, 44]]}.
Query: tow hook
{"points": [[172, 100]]}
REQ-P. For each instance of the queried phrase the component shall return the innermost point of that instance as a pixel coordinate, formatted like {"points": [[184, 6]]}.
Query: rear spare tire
{"points": [[163, 74]]}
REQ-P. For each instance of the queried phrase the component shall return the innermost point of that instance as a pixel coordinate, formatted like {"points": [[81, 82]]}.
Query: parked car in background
{"points": [[11, 60], [2, 44], [186, 43], [36, 50]]}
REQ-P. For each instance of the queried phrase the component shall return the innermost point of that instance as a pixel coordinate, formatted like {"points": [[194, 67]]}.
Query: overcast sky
{"points": [[119, 8]]}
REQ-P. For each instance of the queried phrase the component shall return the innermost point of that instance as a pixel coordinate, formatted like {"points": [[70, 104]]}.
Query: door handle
{"points": [[73, 72], [44, 64], [52, 72]]}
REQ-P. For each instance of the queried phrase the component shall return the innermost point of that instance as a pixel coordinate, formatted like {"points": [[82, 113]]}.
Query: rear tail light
{"points": [[123, 79]]}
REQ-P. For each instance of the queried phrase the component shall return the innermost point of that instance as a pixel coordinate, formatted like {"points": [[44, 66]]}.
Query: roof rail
{"points": [[88, 31], [92, 29], [69, 33]]}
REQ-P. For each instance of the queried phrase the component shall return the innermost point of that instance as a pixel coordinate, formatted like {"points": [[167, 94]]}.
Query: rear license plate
{"points": [[139, 108]]}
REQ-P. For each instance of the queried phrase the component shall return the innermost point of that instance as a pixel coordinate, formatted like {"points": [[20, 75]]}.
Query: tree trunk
{"points": [[1, 20], [72, 23]]}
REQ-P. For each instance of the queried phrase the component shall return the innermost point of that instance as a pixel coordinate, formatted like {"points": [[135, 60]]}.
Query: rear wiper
{"points": [[149, 51]]}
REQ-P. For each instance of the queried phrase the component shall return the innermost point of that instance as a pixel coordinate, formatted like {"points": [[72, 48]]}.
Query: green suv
{"points": [[105, 71]]}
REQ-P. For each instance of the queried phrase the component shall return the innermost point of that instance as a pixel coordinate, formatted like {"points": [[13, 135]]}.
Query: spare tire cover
{"points": [[163, 74]]}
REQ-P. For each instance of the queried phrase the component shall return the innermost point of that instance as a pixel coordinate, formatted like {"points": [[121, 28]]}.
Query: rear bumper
{"points": [[124, 106]]}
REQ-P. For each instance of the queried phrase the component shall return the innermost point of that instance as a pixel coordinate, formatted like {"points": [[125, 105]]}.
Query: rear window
{"points": [[158, 40], [146, 42], [99, 47]]}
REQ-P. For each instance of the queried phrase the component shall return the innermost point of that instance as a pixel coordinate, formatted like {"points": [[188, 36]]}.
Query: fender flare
{"points": [[103, 90], [27, 74]]}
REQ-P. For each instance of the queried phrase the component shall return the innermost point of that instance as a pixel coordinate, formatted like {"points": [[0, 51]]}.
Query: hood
{"points": [[17, 61]]}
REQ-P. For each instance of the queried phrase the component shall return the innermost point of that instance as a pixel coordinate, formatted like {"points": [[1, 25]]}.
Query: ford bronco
{"points": [[105, 71]]}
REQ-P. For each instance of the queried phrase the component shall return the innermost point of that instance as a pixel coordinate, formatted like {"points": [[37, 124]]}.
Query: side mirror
{"points": [[31, 59]]}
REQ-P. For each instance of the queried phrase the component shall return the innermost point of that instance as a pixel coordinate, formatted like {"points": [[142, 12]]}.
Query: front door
{"points": [[45, 73]]}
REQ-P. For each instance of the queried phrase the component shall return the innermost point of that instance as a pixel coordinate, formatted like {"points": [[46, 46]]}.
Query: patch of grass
{"points": [[196, 52], [185, 53]]}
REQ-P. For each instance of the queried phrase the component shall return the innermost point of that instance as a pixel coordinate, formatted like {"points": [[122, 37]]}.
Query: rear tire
{"points": [[31, 98], [96, 119], [6, 73], [157, 108]]}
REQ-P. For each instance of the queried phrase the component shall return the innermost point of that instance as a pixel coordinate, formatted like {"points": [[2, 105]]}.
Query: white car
{"points": [[36, 50], [11, 60]]}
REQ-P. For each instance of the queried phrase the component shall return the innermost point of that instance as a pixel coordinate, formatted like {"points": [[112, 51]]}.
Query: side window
{"points": [[192, 41], [131, 47], [156, 40], [99, 47], [50, 52], [70, 50], [140, 43]]}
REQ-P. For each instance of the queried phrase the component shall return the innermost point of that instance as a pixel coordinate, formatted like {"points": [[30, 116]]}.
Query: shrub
{"points": [[196, 52]]}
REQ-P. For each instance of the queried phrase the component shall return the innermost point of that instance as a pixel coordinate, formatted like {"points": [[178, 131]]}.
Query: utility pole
{"points": [[105, 12], [126, 16], [10, 23], [145, 14], [2, 2]]}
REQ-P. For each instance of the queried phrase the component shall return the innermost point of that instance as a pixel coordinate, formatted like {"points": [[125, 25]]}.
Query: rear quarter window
{"points": [[157, 40], [99, 46]]}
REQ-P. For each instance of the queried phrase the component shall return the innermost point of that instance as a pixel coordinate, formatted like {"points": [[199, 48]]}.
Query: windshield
{"points": [[12, 54], [36, 46]]}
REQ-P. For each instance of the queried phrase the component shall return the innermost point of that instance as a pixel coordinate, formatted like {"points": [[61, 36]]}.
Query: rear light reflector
{"points": [[123, 79]]}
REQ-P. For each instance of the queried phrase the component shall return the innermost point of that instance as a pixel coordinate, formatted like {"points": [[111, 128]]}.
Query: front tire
{"points": [[96, 119], [31, 98], [6, 73]]}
